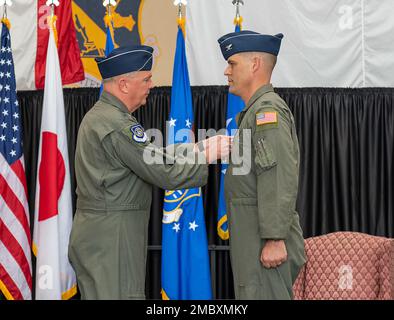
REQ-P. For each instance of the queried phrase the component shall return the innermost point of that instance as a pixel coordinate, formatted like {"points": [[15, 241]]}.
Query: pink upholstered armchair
{"points": [[347, 265]]}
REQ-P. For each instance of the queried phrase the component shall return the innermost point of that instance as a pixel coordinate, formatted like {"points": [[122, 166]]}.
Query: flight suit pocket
{"points": [[245, 241], [265, 158], [133, 239]]}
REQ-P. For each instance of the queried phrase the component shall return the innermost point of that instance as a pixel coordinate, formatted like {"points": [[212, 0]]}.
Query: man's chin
{"points": [[232, 90]]}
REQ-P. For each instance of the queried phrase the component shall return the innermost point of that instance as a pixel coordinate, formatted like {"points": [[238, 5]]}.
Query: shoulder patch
{"points": [[268, 117], [136, 133]]}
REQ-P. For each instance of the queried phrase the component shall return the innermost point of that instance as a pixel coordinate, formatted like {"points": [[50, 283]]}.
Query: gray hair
{"points": [[114, 79]]}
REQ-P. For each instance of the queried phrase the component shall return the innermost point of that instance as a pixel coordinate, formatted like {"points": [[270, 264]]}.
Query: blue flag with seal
{"points": [[185, 260], [109, 46], [234, 106]]}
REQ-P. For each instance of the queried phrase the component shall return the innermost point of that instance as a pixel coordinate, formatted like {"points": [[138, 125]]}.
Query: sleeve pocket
{"points": [[265, 158]]}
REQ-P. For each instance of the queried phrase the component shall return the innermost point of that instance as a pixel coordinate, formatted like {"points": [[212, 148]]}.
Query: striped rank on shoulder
{"points": [[263, 118]]}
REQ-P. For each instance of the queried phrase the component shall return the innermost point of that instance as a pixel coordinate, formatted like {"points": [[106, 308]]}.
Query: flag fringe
{"points": [[5, 291], [7, 23], [108, 20], [109, 23], [164, 295], [181, 24], [70, 293], [223, 234], [238, 21], [52, 25]]}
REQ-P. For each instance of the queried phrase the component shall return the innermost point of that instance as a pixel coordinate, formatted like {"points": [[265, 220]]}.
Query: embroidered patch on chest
{"points": [[266, 118]]}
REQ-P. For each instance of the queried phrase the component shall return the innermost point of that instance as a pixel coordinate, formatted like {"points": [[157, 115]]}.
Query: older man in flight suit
{"points": [[108, 243], [266, 242]]}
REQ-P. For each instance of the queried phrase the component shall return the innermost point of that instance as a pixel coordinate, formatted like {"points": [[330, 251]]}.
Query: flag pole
{"points": [[52, 4], [179, 11], [5, 9], [180, 18], [52, 18], [234, 106], [5, 17], [185, 255], [108, 17], [109, 10], [238, 18]]}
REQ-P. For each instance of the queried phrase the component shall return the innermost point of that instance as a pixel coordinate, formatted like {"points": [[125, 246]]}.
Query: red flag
{"points": [[69, 55]]}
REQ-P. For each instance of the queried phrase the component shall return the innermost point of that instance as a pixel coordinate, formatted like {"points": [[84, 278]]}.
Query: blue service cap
{"points": [[126, 59], [249, 41]]}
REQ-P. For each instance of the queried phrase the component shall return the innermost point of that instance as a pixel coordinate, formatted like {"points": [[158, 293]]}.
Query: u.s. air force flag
{"points": [[185, 261], [234, 106]]}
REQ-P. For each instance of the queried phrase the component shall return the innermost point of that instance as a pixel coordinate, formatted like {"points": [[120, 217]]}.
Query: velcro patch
{"points": [[263, 118], [137, 133]]}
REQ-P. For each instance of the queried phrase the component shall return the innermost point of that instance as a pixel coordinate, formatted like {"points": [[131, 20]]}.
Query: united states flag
{"points": [[15, 240]]}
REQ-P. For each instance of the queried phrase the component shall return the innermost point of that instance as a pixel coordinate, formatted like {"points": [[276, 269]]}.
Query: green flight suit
{"points": [[108, 242], [261, 203]]}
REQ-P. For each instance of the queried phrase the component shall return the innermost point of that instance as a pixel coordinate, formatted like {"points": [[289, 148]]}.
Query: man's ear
{"points": [[122, 85], [256, 64]]}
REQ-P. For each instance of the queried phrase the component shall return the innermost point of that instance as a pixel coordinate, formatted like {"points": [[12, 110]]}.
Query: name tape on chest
{"points": [[270, 117]]}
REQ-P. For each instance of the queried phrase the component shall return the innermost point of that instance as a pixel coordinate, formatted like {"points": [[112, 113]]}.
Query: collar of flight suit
{"points": [[106, 97], [259, 93]]}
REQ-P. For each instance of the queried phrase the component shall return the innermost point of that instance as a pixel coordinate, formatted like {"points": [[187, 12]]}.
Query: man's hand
{"points": [[217, 147], [274, 253]]}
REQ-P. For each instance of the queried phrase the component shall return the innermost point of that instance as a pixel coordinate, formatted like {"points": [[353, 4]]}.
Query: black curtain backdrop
{"points": [[346, 182]]}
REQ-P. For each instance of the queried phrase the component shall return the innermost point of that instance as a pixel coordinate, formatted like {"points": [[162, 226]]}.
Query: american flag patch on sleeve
{"points": [[266, 118]]}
